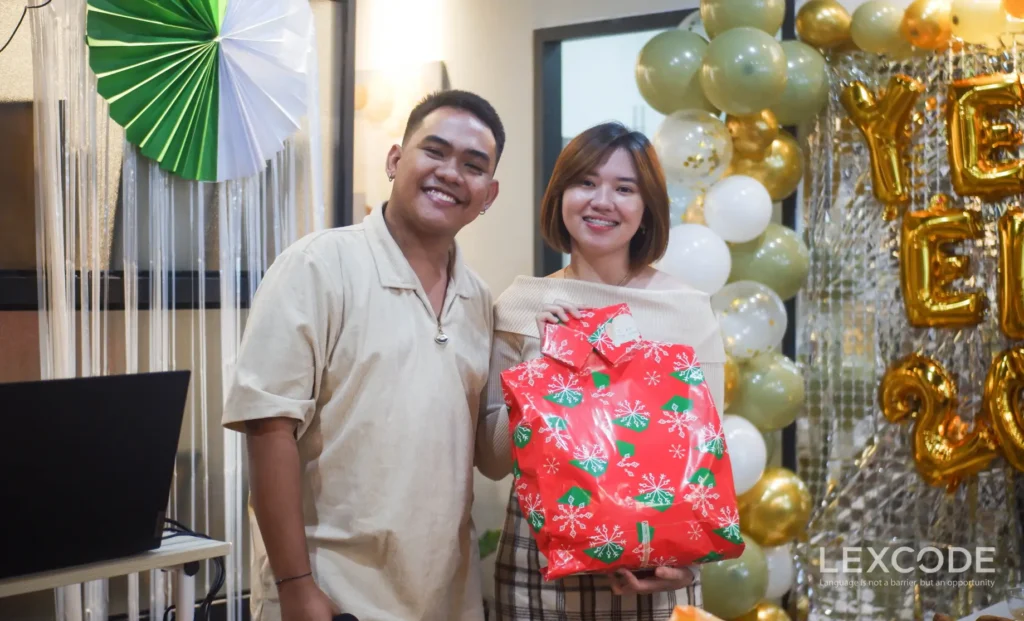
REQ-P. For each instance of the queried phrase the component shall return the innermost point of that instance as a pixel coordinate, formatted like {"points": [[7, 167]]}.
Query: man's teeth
{"points": [[600, 222], [441, 196]]}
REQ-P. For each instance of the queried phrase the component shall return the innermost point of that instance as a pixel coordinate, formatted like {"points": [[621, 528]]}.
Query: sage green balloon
{"points": [[744, 71], [734, 587], [667, 72], [806, 84], [771, 392], [721, 15], [875, 27], [778, 258]]}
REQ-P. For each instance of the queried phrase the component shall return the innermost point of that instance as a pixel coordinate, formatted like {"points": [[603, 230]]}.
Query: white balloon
{"points": [[696, 256], [738, 208], [747, 451], [751, 316], [780, 571]]}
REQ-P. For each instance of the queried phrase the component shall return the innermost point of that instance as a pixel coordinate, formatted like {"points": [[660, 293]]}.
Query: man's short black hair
{"points": [[462, 100]]}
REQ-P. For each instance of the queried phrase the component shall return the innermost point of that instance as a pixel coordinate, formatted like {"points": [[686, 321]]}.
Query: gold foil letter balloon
{"points": [[1002, 404], [974, 136], [918, 387], [927, 270], [883, 123], [1011, 272]]}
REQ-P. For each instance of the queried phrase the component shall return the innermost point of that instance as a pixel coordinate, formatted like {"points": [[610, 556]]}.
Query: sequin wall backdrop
{"points": [[858, 465]]}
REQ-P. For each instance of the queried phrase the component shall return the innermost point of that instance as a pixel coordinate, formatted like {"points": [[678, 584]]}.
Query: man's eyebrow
{"points": [[444, 143]]}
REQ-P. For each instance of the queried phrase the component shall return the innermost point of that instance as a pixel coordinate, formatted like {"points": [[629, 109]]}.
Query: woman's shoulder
{"points": [[663, 281]]}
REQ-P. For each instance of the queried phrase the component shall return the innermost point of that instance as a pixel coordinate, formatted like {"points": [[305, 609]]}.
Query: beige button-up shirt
{"points": [[340, 337]]}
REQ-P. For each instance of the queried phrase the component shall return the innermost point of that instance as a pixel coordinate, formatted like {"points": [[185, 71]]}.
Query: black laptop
{"points": [[85, 467]]}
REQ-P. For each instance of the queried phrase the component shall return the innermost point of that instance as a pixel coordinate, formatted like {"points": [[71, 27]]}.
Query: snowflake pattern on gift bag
{"points": [[620, 458]]}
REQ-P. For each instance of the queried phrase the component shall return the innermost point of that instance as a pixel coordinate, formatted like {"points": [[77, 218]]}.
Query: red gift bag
{"points": [[620, 459]]}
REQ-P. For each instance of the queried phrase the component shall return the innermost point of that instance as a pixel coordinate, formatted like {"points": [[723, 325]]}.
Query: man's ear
{"points": [[492, 193], [391, 163]]}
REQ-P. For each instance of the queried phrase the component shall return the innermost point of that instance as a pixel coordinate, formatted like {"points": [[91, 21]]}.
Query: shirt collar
{"points": [[393, 269]]}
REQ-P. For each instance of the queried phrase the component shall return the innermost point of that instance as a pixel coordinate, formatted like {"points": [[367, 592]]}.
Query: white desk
{"points": [[172, 555]]}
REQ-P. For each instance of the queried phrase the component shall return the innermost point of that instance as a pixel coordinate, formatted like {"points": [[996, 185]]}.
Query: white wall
{"points": [[548, 13], [589, 67]]}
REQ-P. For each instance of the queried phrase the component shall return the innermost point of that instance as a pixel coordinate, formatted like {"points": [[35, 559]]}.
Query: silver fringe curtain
{"points": [[110, 225]]}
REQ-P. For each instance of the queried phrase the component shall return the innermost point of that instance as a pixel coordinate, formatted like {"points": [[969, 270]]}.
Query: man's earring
{"points": [[391, 176], [483, 211]]}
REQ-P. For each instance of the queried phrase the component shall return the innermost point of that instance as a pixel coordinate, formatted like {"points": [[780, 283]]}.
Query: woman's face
{"points": [[603, 210]]}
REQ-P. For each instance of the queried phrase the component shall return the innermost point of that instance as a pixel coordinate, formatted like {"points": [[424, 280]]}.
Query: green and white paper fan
{"points": [[210, 89]]}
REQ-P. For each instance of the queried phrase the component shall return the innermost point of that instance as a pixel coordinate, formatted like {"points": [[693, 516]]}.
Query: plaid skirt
{"points": [[521, 594]]}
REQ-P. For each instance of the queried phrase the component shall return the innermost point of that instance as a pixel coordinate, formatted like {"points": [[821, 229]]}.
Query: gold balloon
{"points": [[883, 123], [776, 510], [1002, 404], [802, 608], [1011, 273], [780, 171], [694, 214], [927, 269], [926, 24], [975, 136], [765, 611], [732, 381], [825, 24], [361, 97], [752, 134], [918, 387], [1014, 8]]}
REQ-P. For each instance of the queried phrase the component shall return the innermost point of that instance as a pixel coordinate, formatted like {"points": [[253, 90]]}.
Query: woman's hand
{"points": [[664, 579], [554, 313]]}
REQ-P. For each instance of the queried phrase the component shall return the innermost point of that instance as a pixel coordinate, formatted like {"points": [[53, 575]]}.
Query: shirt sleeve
{"points": [[493, 440], [283, 352]]}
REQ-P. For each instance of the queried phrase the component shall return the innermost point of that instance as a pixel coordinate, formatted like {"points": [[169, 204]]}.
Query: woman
{"points": [[607, 206]]}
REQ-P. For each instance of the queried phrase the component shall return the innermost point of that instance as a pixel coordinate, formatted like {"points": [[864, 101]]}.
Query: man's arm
{"points": [[272, 400], [276, 491]]}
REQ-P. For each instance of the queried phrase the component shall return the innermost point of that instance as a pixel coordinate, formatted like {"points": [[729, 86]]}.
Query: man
{"points": [[358, 383]]}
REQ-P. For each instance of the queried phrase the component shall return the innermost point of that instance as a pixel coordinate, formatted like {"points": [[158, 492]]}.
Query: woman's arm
{"points": [[493, 439]]}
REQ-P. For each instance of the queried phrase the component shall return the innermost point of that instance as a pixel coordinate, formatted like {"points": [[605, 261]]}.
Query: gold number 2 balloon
{"points": [[944, 451], [883, 123]]}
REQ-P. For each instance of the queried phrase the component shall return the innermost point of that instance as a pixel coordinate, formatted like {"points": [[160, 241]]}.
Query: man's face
{"points": [[444, 172]]}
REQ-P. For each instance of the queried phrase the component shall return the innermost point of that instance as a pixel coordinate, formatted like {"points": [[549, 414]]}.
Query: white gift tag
{"points": [[622, 329]]}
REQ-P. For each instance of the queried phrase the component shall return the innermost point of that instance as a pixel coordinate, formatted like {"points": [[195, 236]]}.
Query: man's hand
{"points": [[665, 579], [302, 600]]}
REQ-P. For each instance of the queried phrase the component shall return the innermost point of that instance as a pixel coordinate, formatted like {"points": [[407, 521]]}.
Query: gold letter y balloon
{"points": [[883, 122]]}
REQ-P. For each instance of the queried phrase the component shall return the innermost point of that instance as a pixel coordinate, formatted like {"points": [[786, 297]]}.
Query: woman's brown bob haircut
{"points": [[582, 156]]}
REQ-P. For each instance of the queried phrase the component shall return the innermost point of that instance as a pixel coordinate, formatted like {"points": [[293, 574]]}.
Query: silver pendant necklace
{"points": [[441, 338]]}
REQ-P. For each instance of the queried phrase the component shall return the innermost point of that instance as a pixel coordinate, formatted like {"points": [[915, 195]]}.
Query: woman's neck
{"points": [[609, 270]]}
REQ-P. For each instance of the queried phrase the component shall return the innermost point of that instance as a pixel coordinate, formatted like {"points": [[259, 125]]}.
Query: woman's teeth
{"points": [[599, 221]]}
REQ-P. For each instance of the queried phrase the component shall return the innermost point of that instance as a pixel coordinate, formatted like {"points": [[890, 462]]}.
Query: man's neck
{"points": [[611, 269], [422, 253]]}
